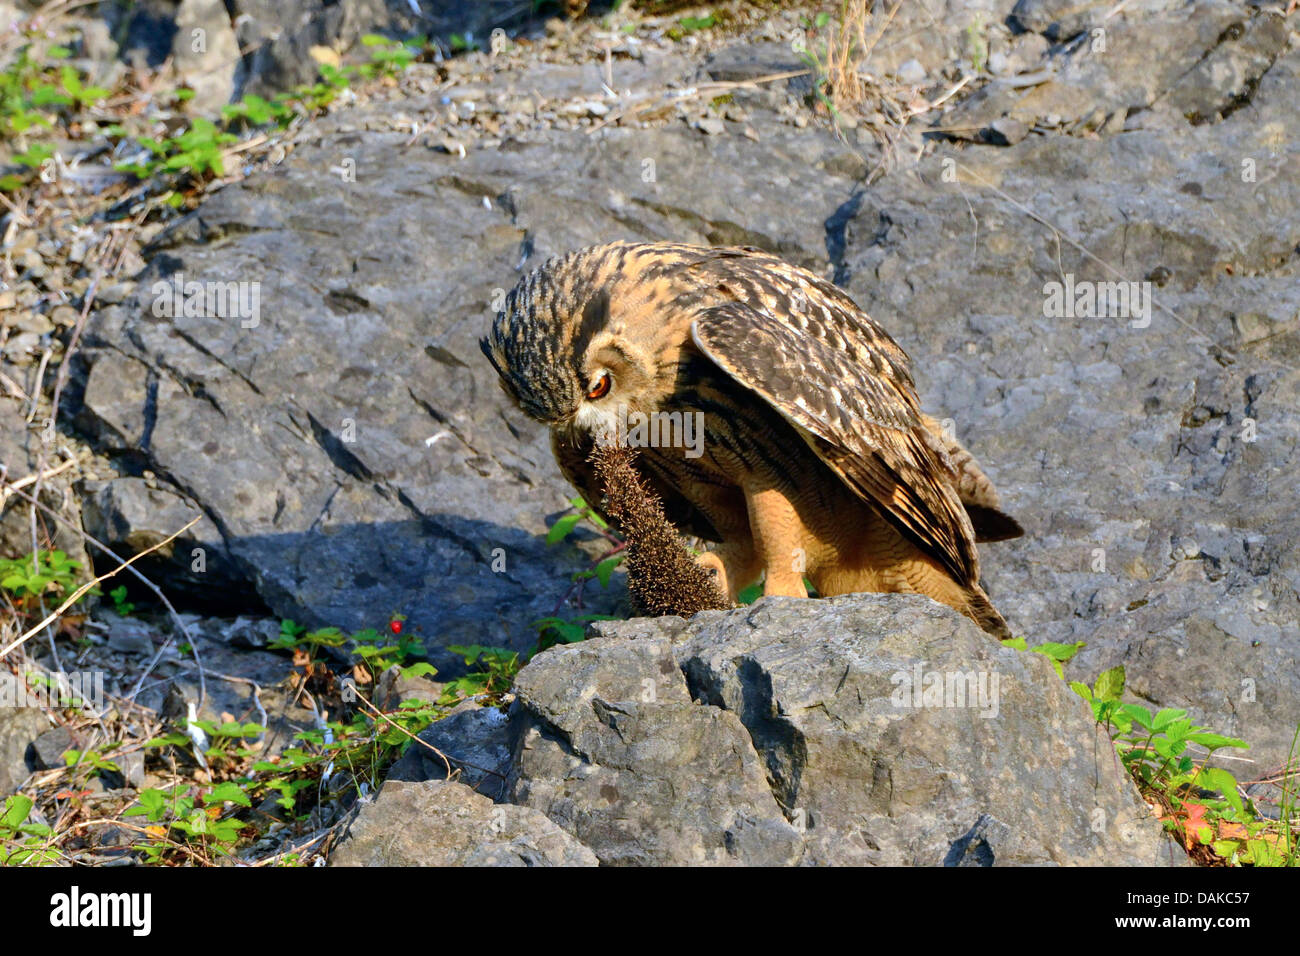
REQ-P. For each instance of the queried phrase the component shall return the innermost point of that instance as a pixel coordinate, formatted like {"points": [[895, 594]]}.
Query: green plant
{"points": [[691, 24], [78, 94], [390, 57], [34, 97], [23, 843], [604, 566], [255, 111], [30, 577], [370, 648], [176, 818], [197, 152], [90, 761], [379, 653], [461, 43], [120, 604], [1201, 805], [497, 669], [231, 814], [558, 630]]}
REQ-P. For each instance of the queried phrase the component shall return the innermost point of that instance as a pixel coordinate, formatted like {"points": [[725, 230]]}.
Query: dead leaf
{"points": [[1232, 831]]}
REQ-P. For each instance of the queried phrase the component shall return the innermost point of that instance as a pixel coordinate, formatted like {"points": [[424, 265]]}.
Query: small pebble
{"points": [[911, 72]]}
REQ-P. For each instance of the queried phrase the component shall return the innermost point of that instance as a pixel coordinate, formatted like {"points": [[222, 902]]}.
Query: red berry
{"points": [[396, 625]]}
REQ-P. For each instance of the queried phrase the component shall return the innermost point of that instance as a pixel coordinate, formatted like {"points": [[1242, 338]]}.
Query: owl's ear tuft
{"points": [[485, 345], [595, 316]]}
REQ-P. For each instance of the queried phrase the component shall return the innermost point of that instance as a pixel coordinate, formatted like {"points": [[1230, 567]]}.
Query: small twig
{"points": [[145, 830], [11, 487], [667, 97], [181, 626], [298, 848], [425, 744], [77, 594]]}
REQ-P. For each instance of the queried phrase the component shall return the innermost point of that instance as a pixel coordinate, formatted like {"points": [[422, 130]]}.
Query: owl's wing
{"points": [[844, 385]]}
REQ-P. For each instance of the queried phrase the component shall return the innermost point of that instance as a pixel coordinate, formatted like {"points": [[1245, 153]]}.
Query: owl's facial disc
{"points": [[609, 373], [598, 411]]}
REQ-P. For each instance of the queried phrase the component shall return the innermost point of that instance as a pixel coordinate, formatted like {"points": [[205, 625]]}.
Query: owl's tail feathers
{"points": [[974, 488], [990, 524], [981, 610]]}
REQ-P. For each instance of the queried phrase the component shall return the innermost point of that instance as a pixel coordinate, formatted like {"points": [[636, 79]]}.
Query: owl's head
{"points": [[561, 355]]}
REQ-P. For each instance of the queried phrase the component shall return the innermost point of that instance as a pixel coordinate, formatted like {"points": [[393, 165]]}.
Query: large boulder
{"points": [[865, 729], [612, 747]]}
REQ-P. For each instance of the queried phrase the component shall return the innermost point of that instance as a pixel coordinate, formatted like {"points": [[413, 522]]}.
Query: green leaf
{"points": [[227, 791], [1225, 848], [1216, 778], [569, 633], [691, 24], [1165, 717], [1165, 748], [561, 528], [168, 740], [422, 669], [16, 809], [1082, 690], [47, 95], [1140, 715], [37, 154], [1059, 652], [1215, 741], [1110, 685], [71, 81], [1177, 730], [606, 568]]}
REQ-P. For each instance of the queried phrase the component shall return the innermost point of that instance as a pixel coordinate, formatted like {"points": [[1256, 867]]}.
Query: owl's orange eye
{"points": [[601, 388]]}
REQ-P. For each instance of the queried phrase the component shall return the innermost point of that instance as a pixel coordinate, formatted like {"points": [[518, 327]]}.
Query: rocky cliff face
{"points": [[353, 453]]}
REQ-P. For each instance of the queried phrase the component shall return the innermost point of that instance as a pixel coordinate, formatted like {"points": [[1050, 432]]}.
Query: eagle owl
{"points": [[812, 459]]}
